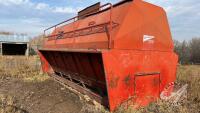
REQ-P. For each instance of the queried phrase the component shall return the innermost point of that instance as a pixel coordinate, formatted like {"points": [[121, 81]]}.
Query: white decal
{"points": [[147, 38]]}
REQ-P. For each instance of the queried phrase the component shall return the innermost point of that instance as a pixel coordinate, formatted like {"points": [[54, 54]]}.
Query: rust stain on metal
{"points": [[127, 80], [114, 82]]}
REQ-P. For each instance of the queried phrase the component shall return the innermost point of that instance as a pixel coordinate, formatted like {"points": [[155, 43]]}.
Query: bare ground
{"points": [[40, 97]]}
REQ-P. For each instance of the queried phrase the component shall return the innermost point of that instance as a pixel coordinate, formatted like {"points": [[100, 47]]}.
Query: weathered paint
{"points": [[131, 62]]}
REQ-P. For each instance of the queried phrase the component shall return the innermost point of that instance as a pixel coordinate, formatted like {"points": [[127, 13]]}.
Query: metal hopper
{"points": [[115, 54]]}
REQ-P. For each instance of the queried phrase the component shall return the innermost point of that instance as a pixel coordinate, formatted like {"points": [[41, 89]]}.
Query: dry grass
{"points": [[26, 68]]}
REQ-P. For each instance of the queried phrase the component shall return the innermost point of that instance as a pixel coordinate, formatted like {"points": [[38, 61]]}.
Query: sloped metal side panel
{"points": [[122, 67]]}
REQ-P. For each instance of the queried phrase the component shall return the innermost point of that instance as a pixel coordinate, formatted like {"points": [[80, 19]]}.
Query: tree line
{"points": [[11, 33], [188, 51]]}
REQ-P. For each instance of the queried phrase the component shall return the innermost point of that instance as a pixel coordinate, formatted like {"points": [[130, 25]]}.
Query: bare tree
{"points": [[183, 51], [194, 46]]}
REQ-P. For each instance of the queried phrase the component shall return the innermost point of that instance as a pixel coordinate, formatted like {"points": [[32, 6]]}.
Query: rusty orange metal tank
{"points": [[115, 54]]}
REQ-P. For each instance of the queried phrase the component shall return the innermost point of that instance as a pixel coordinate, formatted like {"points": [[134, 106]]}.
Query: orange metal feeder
{"points": [[115, 54]]}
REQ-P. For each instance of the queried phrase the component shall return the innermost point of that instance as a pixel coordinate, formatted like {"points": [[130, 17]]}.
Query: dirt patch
{"points": [[39, 97]]}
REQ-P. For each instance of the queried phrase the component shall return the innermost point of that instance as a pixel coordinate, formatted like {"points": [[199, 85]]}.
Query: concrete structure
{"points": [[14, 45]]}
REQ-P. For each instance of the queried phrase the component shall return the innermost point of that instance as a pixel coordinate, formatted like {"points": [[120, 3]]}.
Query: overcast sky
{"points": [[33, 16]]}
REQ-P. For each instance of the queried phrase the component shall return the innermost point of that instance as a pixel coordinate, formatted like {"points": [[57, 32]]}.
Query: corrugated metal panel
{"points": [[14, 38]]}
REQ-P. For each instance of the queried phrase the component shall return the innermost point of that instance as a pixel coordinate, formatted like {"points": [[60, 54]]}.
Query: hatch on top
{"points": [[89, 10]]}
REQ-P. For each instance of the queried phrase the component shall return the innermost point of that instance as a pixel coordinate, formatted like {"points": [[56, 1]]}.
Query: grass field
{"points": [[23, 85]]}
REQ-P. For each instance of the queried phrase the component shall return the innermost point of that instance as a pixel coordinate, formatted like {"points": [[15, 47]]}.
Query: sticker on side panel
{"points": [[148, 38]]}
